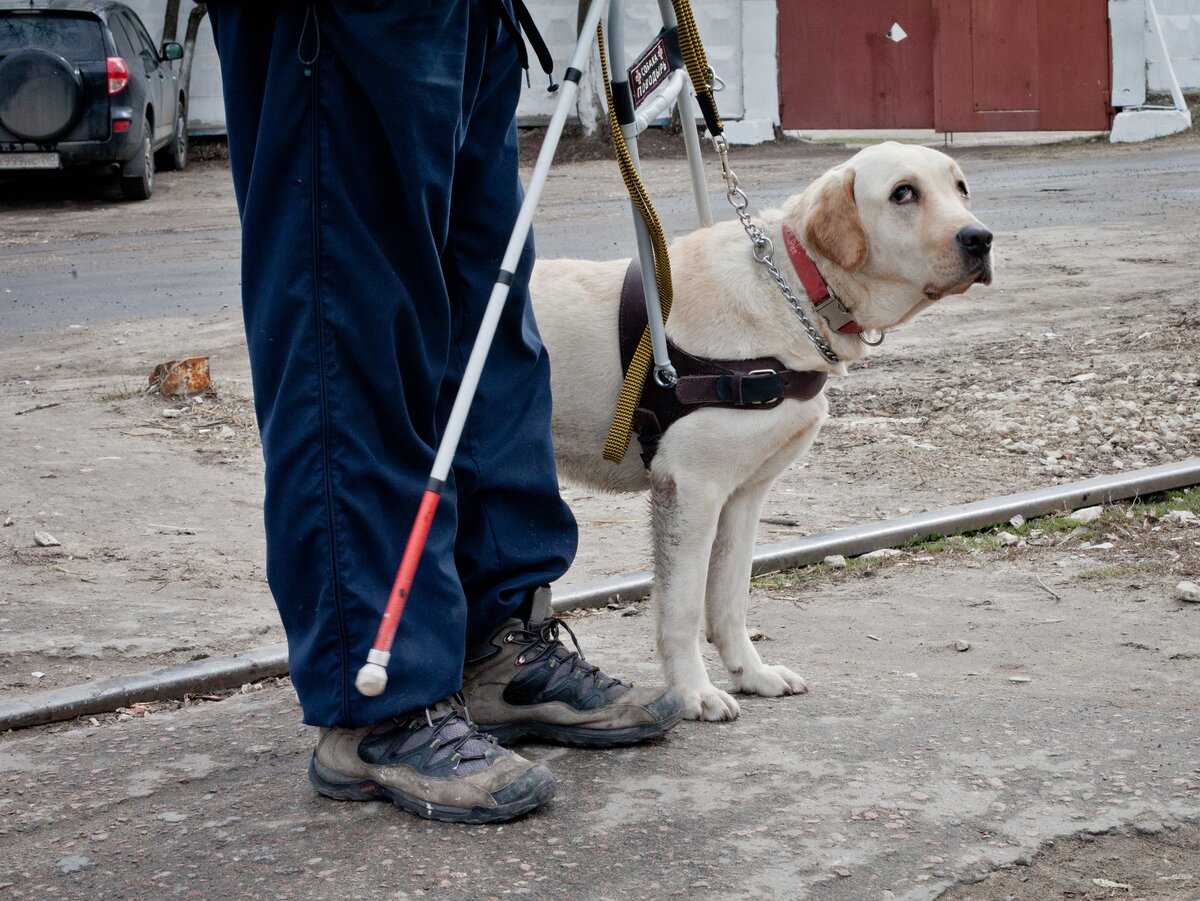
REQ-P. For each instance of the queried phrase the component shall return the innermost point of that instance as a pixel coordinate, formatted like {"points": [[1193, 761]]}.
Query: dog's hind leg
{"points": [[728, 594], [683, 535]]}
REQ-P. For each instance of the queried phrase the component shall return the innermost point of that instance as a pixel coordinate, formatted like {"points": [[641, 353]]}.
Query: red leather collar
{"points": [[818, 291]]}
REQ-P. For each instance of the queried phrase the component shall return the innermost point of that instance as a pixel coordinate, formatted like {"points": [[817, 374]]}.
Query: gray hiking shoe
{"points": [[433, 763], [524, 682]]}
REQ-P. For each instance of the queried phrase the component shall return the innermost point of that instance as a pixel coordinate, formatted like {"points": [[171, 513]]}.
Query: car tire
{"points": [[137, 175], [174, 156]]}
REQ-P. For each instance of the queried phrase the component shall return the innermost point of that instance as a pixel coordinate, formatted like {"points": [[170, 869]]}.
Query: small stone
{"points": [[1180, 516], [8, 521], [1007, 538], [170, 816], [883, 554], [1188, 591], [1086, 514], [961, 645], [1017, 521], [1019, 679], [226, 433], [842, 872], [1150, 827], [45, 539], [756, 635], [73, 863], [833, 561], [172, 413], [630, 611]]}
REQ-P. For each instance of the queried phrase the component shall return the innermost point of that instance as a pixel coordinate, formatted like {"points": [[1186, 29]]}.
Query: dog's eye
{"points": [[962, 189], [904, 194]]}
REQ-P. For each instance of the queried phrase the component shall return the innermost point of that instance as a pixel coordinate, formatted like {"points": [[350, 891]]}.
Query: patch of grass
{"points": [[1119, 571], [125, 392], [1158, 505], [1116, 517], [772, 581]]}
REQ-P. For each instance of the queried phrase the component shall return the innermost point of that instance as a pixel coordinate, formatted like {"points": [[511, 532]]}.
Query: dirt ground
{"points": [[1081, 360]]}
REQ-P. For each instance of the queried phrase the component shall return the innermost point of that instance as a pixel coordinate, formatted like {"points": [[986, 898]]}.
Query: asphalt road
{"points": [[69, 278]]}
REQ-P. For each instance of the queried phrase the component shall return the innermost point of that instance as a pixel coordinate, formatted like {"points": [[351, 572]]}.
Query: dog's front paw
{"points": [[709, 704], [769, 681]]}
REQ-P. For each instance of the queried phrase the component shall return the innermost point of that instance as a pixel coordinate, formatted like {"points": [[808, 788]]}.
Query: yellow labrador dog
{"points": [[889, 232]]}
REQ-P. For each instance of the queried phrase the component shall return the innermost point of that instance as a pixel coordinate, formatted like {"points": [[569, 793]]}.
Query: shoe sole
{"points": [[580, 737], [333, 785]]}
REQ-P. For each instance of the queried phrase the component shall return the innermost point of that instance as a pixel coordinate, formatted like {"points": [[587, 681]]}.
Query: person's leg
{"points": [[344, 118], [344, 121], [515, 533]]}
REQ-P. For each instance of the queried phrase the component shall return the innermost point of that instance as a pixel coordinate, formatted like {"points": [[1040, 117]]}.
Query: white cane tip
{"points": [[371, 680]]}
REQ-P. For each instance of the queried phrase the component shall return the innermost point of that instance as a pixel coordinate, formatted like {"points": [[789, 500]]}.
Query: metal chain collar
{"points": [[764, 249]]}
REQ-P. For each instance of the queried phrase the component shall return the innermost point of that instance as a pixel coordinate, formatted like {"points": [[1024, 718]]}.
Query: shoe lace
{"points": [[466, 745], [545, 645]]}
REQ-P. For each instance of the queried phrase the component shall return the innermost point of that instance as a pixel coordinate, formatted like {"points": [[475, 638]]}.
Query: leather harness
{"points": [[759, 384]]}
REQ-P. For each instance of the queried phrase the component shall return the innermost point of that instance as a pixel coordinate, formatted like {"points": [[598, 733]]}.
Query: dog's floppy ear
{"points": [[832, 227]]}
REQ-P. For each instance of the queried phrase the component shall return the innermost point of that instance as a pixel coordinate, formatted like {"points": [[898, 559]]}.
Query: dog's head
{"points": [[892, 228]]}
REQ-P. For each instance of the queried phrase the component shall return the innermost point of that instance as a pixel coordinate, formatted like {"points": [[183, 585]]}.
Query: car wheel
{"points": [[174, 155], [137, 175]]}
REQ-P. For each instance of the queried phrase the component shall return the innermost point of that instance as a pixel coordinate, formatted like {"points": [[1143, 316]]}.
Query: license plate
{"points": [[29, 161]]}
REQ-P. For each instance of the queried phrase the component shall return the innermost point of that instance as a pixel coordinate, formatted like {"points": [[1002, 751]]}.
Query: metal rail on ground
{"points": [[219, 673]]}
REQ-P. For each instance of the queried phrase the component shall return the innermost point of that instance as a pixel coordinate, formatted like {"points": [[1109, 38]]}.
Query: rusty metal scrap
{"points": [[181, 378]]}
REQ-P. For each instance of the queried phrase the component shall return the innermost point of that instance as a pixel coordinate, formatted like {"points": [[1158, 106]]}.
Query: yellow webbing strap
{"points": [[696, 62], [639, 367]]}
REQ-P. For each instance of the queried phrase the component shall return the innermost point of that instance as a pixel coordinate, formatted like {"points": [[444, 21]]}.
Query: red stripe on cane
{"points": [[407, 571]]}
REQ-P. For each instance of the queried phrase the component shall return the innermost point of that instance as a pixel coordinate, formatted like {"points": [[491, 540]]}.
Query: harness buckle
{"points": [[759, 373]]}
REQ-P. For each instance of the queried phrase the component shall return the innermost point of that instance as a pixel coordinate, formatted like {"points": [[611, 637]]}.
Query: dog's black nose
{"points": [[975, 240]]}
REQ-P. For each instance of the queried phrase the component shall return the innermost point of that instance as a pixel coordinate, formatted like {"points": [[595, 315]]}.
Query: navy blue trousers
{"points": [[374, 157]]}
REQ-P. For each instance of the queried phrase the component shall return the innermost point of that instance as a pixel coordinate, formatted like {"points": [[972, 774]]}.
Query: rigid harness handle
{"points": [[639, 367], [700, 75]]}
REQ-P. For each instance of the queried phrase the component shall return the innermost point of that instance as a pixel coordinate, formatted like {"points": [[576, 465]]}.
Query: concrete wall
{"points": [[1137, 59], [739, 38], [1180, 21]]}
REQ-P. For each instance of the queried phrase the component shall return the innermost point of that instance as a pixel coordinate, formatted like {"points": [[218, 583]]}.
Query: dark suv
{"points": [[83, 84]]}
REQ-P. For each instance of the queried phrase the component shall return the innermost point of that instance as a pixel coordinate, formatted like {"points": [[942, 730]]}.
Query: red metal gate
{"points": [[1022, 65], [838, 68], [965, 65]]}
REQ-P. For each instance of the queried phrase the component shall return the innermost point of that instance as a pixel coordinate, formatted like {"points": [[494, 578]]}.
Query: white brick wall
{"points": [[1180, 20], [720, 24], [1137, 60]]}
